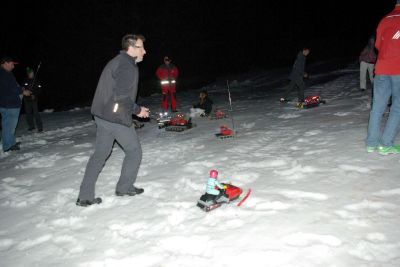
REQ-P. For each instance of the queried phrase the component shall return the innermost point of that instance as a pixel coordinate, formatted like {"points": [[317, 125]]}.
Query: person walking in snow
{"points": [[367, 61], [167, 73], [10, 103], [112, 108], [386, 85], [33, 85], [296, 77]]}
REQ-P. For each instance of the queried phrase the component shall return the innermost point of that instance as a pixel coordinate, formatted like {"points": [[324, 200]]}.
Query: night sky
{"points": [[205, 39]]}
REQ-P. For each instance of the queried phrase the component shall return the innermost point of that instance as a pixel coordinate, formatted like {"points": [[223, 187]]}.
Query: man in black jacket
{"points": [[10, 104], [112, 108], [33, 85], [296, 76]]}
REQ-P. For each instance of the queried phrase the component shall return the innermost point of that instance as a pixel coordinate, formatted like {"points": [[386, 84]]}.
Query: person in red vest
{"points": [[167, 73]]}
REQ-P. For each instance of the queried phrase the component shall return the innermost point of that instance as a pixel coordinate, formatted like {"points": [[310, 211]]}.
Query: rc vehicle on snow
{"points": [[162, 119], [311, 102], [225, 132], [217, 115], [229, 194], [176, 124]]}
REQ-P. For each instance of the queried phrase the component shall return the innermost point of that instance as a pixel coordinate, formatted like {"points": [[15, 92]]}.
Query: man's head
{"points": [[398, 2], [203, 94], [167, 60], [306, 51], [8, 63], [133, 44]]}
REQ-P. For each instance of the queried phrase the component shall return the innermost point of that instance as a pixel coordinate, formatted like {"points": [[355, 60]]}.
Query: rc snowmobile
{"points": [[176, 124], [162, 119], [217, 115], [311, 102], [225, 132], [230, 193]]}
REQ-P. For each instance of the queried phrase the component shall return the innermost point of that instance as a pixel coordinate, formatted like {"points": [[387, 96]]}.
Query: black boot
{"points": [[85, 203], [133, 192]]}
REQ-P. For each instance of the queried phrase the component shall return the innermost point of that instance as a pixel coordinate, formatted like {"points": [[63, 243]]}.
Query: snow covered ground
{"points": [[318, 198]]}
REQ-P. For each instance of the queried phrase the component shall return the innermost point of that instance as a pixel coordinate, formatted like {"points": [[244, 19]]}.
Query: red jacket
{"points": [[388, 44], [165, 72]]}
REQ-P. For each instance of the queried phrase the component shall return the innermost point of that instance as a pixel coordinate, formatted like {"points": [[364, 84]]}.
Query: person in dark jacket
{"points": [[113, 105], [296, 77], [204, 103], [10, 103], [33, 85]]}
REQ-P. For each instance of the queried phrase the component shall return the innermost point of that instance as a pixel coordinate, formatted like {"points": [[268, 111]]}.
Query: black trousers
{"points": [[32, 112], [298, 83]]}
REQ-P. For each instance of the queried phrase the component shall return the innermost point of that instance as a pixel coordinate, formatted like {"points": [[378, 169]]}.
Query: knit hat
{"points": [[5, 59]]}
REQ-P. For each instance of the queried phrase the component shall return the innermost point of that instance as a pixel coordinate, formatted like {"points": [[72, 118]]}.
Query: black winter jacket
{"points": [[10, 91], [206, 105], [298, 67], [36, 88], [115, 96]]}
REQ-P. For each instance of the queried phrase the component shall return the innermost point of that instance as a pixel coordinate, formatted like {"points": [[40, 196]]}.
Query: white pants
{"points": [[364, 68], [196, 112]]}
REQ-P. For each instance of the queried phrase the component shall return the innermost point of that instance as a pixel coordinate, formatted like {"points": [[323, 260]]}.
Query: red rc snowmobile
{"points": [[218, 114], [311, 102], [225, 132], [176, 124], [230, 193]]}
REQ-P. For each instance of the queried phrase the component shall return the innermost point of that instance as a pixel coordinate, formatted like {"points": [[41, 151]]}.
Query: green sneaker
{"points": [[371, 149], [386, 150]]}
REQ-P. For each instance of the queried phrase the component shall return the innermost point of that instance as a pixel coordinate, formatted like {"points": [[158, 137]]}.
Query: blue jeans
{"points": [[9, 121], [384, 87]]}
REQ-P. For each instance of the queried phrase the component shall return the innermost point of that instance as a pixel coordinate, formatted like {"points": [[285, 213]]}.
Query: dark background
{"points": [[205, 39]]}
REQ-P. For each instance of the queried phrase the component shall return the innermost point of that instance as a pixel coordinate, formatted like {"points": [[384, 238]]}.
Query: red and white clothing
{"points": [[167, 74], [388, 44]]}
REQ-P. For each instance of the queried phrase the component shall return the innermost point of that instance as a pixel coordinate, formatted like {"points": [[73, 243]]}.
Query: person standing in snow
{"points": [[386, 85], [112, 108], [167, 73], [367, 60], [296, 77], [10, 104], [33, 85]]}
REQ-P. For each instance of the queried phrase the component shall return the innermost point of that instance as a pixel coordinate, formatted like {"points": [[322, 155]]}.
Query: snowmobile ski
{"points": [[244, 198]]}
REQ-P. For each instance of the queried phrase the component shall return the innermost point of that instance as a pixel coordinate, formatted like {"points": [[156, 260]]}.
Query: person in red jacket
{"points": [[167, 73], [386, 85]]}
